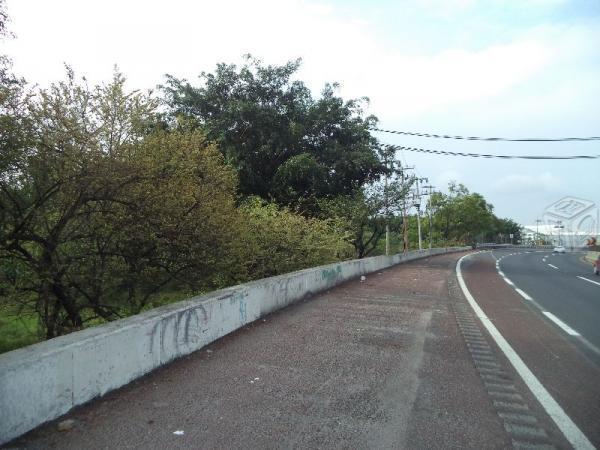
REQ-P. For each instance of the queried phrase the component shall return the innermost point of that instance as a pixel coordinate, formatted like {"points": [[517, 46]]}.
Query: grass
{"points": [[16, 332], [20, 330]]}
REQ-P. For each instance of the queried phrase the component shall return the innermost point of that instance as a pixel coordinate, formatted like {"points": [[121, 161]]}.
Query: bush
{"points": [[279, 240]]}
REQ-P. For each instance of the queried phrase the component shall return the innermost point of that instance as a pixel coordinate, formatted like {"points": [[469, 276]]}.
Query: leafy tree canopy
{"points": [[285, 144], [463, 216], [97, 216]]}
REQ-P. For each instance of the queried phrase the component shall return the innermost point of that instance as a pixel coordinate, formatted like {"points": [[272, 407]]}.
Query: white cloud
{"points": [[147, 39], [521, 183], [518, 81]]}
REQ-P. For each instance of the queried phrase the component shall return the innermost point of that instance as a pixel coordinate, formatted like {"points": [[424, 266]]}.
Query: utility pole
{"points": [[387, 154], [559, 225], [404, 211], [430, 189], [418, 206], [387, 219], [537, 231]]}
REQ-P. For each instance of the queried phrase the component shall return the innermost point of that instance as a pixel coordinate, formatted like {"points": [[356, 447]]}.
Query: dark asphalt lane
{"points": [[558, 290]]}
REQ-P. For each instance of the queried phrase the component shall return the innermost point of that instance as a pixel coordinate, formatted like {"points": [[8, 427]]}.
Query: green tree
{"points": [[278, 240], [462, 216], [503, 228], [98, 216], [284, 144]]}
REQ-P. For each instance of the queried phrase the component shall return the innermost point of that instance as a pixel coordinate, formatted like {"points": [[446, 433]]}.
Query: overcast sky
{"points": [[523, 68]]}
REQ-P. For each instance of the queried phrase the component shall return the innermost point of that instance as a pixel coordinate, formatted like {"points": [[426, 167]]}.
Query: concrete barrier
{"points": [[44, 381]]}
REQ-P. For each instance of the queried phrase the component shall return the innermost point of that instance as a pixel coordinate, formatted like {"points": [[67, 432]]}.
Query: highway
{"points": [[548, 317], [561, 284]]}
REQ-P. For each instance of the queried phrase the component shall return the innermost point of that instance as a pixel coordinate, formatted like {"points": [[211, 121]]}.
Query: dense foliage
{"points": [[464, 217], [286, 145], [114, 201]]}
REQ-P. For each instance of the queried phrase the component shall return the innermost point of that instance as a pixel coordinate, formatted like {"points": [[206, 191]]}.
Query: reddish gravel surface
{"points": [[379, 364]]}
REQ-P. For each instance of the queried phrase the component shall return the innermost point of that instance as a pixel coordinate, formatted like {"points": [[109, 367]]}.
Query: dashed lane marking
{"points": [[566, 328], [586, 279], [523, 294], [551, 316], [526, 296], [564, 423], [553, 266]]}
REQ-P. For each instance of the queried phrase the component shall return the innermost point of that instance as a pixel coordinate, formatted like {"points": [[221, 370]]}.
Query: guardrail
{"points": [[44, 381], [494, 245]]}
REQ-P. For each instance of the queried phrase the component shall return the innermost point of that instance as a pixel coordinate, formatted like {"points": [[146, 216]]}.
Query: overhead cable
{"points": [[477, 138], [483, 155]]}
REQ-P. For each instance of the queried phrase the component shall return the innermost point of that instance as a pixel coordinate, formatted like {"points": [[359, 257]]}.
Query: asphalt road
{"points": [[397, 361], [569, 372], [561, 284]]}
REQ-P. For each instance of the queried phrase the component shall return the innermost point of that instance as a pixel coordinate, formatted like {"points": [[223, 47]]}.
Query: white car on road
{"points": [[559, 249]]}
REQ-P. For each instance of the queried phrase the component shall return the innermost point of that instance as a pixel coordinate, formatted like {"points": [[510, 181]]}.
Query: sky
{"points": [[518, 69]]}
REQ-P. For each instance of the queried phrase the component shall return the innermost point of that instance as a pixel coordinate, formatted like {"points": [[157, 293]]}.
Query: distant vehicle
{"points": [[559, 249]]}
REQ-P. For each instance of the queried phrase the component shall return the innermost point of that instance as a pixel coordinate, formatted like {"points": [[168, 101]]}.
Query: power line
{"points": [[483, 155], [477, 138]]}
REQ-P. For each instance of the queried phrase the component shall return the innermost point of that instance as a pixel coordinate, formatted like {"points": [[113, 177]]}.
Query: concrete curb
{"points": [[43, 381]]}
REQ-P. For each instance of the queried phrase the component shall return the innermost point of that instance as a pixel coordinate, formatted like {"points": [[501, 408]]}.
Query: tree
{"points": [[278, 240], [284, 144], [503, 228], [358, 216], [98, 215], [462, 216]]}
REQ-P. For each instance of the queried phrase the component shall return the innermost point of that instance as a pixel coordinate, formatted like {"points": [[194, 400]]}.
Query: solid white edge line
{"points": [[566, 328], [571, 432], [523, 294], [586, 279], [554, 267], [509, 281]]}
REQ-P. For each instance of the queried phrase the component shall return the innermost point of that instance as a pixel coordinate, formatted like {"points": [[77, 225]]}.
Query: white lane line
{"points": [[501, 274], [554, 267], [523, 294], [586, 279], [567, 329], [509, 282], [571, 432]]}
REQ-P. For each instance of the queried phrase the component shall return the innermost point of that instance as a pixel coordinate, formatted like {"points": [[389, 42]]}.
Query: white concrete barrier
{"points": [[43, 381]]}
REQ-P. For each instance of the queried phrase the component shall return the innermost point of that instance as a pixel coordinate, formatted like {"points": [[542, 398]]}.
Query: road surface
{"points": [[515, 289], [562, 284], [397, 361]]}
